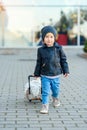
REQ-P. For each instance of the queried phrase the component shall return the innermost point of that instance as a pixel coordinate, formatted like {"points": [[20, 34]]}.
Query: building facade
{"points": [[20, 24]]}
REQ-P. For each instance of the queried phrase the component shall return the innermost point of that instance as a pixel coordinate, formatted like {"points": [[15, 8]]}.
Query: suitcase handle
{"points": [[29, 81]]}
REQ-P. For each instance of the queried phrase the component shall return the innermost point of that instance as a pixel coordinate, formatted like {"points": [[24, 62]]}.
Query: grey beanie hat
{"points": [[48, 29]]}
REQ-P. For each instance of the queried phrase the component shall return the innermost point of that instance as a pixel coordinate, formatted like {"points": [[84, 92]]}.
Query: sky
{"points": [[26, 18]]}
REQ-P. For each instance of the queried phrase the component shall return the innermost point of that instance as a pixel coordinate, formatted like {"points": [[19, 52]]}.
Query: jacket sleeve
{"points": [[63, 61], [38, 64]]}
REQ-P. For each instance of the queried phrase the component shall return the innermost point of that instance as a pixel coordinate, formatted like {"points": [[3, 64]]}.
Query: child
{"points": [[51, 62]]}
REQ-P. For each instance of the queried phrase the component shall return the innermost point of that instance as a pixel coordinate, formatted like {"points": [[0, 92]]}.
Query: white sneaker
{"points": [[56, 102], [44, 109]]}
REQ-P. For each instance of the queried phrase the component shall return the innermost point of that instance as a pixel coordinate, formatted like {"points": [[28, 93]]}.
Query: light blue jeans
{"points": [[47, 85]]}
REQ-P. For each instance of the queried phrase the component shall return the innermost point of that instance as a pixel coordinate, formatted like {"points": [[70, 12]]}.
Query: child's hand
{"points": [[66, 74], [35, 76]]}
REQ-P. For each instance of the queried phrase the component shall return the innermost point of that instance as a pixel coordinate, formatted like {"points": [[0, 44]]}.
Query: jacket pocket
{"points": [[57, 65], [43, 65]]}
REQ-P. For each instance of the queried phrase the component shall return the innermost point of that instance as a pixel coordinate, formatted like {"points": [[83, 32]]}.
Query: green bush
{"points": [[85, 46]]}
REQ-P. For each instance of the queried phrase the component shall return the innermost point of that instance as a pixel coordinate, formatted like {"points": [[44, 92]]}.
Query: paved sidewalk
{"points": [[18, 114]]}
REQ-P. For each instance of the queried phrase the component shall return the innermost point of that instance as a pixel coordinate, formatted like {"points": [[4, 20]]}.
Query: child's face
{"points": [[49, 39]]}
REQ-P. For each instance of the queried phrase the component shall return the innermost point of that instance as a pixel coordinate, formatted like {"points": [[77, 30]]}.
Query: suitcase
{"points": [[34, 88]]}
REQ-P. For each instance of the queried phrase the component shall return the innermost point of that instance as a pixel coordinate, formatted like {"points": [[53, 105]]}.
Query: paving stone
{"points": [[18, 114]]}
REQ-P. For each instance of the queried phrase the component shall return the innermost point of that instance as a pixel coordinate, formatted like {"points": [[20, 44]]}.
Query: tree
{"points": [[85, 46], [63, 23]]}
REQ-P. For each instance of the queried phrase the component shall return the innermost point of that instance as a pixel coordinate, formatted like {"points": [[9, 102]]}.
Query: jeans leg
{"points": [[55, 87], [45, 90]]}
